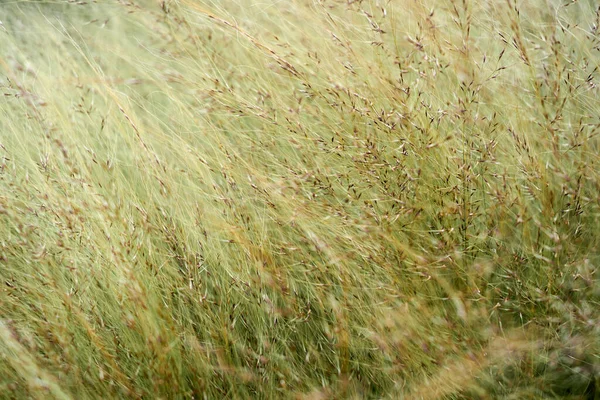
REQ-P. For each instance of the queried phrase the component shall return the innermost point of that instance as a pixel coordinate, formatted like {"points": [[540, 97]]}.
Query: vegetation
{"points": [[303, 199]]}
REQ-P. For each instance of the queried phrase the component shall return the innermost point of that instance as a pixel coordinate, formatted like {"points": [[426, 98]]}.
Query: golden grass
{"points": [[301, 199]]}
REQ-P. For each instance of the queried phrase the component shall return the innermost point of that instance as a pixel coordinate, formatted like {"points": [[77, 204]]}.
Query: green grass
{"points": [[299, 199]]}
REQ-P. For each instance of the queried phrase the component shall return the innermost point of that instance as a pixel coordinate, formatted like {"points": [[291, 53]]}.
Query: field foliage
{"points": [[306, 199]]}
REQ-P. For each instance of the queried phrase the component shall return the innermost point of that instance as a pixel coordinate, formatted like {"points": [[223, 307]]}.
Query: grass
{"points": [[301, 199]]}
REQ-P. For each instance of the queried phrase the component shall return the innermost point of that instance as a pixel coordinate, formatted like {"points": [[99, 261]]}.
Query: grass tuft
{"points": [[303, 199]]}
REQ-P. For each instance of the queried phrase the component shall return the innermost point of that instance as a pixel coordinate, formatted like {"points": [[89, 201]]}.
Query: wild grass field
{"points": [[303, 199]]}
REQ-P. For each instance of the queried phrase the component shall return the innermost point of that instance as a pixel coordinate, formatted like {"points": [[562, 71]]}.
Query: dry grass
{"points": [[299, 199]]}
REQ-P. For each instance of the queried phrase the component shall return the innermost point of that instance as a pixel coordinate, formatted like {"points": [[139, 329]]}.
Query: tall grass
{"points": [[303, 199]]}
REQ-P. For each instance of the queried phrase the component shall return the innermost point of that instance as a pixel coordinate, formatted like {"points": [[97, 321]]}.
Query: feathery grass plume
{"points": [[302, 199]]}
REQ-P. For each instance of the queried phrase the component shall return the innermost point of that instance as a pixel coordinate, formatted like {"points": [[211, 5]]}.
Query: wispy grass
{"points": [[301, 199]]}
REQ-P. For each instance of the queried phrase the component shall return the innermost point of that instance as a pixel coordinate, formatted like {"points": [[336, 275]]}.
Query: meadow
{"points": [[303, 199]]}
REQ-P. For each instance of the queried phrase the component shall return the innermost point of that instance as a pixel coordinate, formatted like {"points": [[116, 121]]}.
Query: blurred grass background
{"points": [[305, 199]]}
